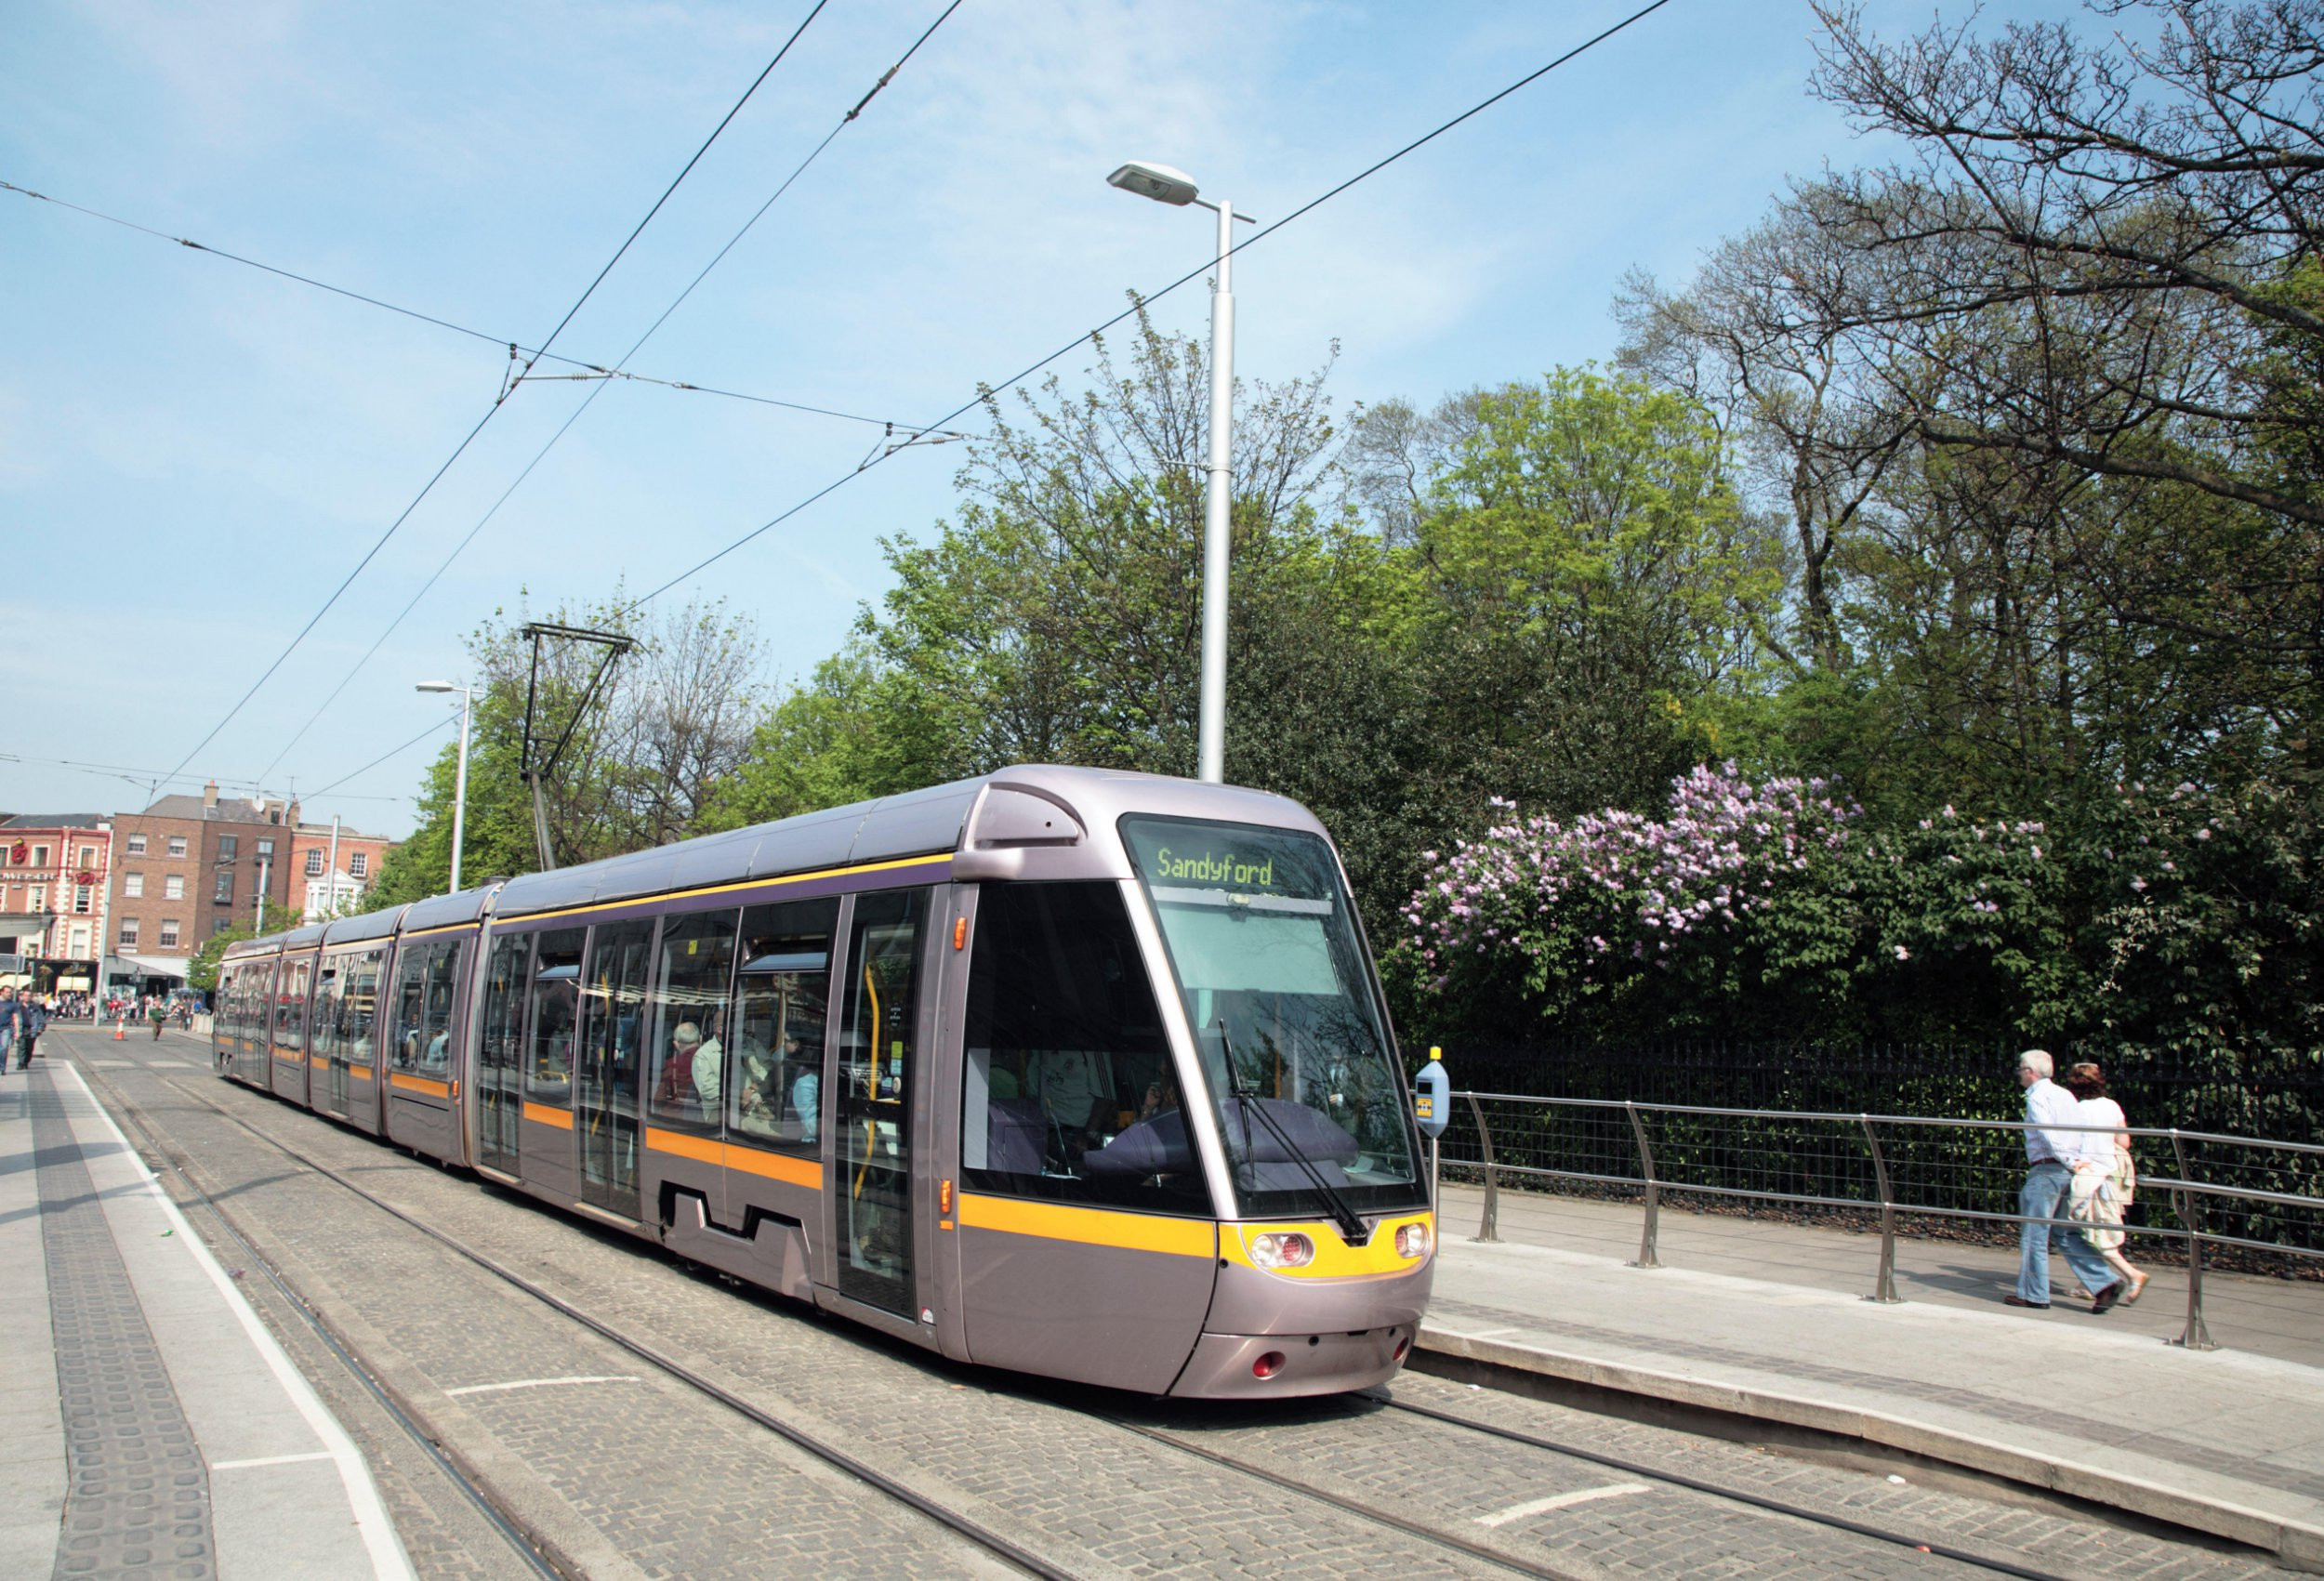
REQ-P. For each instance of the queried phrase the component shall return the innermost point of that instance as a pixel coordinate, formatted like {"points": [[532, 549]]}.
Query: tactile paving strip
{"points": [[137, 1494]]}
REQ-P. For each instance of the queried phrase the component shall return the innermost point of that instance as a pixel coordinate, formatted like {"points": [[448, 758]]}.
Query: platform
{"points": [[1768, 1320], [150, 1425]]}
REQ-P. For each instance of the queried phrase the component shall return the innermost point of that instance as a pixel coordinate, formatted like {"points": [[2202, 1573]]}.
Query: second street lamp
{"points": [[459, 791], [1167, 185]]}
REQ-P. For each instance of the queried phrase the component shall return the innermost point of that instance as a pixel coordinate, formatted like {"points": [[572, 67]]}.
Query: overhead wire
{"points": [[585, 369], [444, 723], [1258, 236], [470, 438], [460, 547]]}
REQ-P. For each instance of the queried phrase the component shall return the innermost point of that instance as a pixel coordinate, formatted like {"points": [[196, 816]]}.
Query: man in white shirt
{"points": [[2051, 1152]]}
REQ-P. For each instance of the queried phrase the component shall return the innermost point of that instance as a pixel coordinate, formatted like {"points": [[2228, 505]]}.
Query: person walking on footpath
{"points": [[2053, 1147], [2104, 1178], [11, 1023], [33, 1021], [158, 1013]]}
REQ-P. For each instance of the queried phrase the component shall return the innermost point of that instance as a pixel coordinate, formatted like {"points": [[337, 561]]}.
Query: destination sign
{"points": [[1214, 867], [1235, 859]]}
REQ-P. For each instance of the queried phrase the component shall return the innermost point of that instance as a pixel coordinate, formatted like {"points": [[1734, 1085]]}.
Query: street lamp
{"points": [[459, 791], [1164, 184]]}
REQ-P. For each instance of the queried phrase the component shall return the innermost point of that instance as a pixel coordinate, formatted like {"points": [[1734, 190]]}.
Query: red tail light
{"points": [[1267, 1366]]}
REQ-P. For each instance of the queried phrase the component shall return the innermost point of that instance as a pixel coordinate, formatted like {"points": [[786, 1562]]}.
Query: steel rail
{"points": [[951, 1519], [1717, 1490]]}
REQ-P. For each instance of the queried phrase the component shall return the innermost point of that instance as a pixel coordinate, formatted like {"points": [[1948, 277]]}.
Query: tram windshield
{"points": [[1262, 941]]}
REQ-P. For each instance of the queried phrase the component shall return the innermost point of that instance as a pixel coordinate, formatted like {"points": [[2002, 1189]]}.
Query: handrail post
{"points": [[1649, 1236], [1885, 1286], [1489, 1227], [2196, 1336]]}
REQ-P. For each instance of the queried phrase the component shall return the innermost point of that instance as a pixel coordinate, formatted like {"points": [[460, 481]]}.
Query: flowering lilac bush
{"points": [[2179, 921], [1557, 912]]}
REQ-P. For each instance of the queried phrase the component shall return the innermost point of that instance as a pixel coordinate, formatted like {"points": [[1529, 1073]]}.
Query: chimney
{"points": [[209, 796]]}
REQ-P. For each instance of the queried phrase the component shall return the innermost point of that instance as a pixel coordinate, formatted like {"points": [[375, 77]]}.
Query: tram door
{"points": [[605, 1086], [873, 1065], [499, 1087], [328, 1092]]}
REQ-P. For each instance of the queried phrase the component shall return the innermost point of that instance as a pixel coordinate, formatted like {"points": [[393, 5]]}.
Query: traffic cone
{"points": [[121, 1029]]}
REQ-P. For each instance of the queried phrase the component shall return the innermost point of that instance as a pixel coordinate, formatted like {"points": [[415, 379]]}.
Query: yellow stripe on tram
{"points": [[1094, 1227], [803, 1172]]}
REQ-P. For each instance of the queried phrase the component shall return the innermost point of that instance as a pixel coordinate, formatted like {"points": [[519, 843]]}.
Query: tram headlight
{"points": [[1282, 1248], [1412, 1240]]}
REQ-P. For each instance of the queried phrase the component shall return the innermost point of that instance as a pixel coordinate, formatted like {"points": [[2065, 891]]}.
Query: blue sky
{"points": [[193, 453]]}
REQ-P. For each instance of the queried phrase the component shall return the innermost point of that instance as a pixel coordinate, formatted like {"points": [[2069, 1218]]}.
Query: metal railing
{"points": [[1888, 1164]]}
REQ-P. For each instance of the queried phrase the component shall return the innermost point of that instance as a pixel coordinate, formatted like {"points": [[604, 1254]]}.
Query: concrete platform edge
{"points": [[2296, 1542], [382, 1543]]}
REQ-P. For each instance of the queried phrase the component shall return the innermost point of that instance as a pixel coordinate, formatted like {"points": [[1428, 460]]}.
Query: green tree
{"points": [[201, 971]]}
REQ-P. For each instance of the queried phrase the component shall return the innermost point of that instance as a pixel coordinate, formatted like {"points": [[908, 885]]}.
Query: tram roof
{"points": [[923, 823]]}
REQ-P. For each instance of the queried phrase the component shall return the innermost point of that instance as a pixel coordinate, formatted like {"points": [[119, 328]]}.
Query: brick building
{"points": [[189, 866], [54, 890], [324, 890]]}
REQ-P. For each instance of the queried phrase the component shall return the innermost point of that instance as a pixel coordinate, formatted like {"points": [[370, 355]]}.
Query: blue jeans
{"points": [[2045, 1196]]}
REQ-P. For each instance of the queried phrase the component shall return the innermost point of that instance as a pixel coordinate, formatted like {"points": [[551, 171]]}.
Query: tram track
{"points": [[1501, 1556], [527, 1546]]}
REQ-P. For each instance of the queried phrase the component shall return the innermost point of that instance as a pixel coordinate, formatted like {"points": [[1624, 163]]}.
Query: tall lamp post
{"points": [[459, 790], [1164, 184]]}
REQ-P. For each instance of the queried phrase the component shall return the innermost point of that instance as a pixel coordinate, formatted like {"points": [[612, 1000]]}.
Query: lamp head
{"points": [[1162, 183], [435, 686]]}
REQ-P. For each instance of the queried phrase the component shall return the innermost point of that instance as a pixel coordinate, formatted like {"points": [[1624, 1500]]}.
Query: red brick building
{"points": [[55, 874], [332, 870], [189, 866]]}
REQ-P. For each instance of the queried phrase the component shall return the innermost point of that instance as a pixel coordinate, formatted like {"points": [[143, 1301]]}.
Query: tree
{"points": [[646, 750], [202, 970]]}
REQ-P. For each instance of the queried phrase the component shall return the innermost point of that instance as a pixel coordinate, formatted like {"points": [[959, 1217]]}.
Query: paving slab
{"points": [[152, 1423], [1772, 1324]]}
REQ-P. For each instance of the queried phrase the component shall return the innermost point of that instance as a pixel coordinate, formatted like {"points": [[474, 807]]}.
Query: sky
{"points": [[193, 454]]}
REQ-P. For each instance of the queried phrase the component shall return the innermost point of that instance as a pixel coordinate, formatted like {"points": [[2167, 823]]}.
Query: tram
{"points": [[1074, 1072]]}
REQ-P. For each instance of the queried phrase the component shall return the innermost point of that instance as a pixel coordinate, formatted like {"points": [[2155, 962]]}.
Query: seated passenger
{"points": [[439, 1050], [1077, 1091], [708, 1059], [754, 1111], [674, 1090], [806, 1103]]}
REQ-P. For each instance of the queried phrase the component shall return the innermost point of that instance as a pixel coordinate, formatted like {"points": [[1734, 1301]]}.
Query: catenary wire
{"points": [[460, 547], [498, 401], [1263, 233], [392, 751], [584, 368]]}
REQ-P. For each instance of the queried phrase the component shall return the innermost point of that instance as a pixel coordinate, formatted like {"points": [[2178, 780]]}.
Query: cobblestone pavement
{"points": [[632, 1475], [137, 1496]]}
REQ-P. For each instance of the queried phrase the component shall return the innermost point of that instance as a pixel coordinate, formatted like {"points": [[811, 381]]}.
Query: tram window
{"points": [[555, 1004], [359, 1005], [503, 1034], [443, 971], [613, 1007], [772, 1080], [1068, 1088], [696, 961], [406, 1006], [327, 1008], [290, 1007]]}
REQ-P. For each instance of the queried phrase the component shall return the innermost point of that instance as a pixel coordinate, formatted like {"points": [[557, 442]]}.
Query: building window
{"points": [[169, 933], [82, 895], [80, 941], [88, 856], [227, 846], [177, 845], [174, 887], [221, 924], [39, 893], [136, 844], [132, 886], [128, 933], [224, 894], [266, 849], [314, 864], [39, 856], [359, 864]]}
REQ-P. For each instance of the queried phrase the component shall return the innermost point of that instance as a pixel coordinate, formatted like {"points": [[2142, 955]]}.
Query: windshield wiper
{"points": [[1350, 1222]]}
